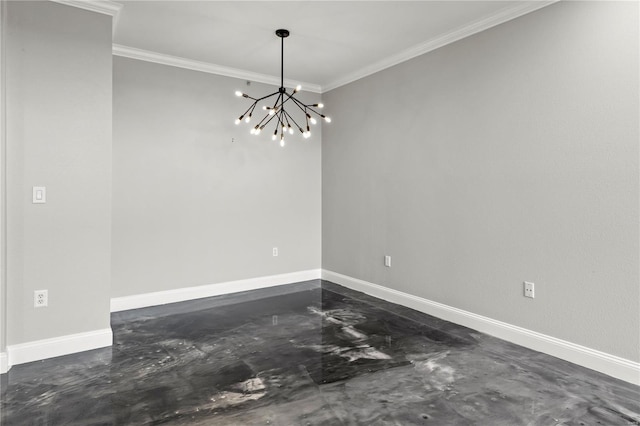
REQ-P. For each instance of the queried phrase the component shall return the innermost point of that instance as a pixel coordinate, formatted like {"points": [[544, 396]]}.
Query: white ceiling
{"points": [[331, 42]]}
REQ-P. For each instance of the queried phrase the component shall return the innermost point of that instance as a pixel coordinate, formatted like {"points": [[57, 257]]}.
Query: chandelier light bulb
{"points": [[257, 131], [252, 131], [238, 93], [282, 142], [327, 119], [313, 120], [290, 130], [273, 138], [237, 121], [298, 88], [320, 105], [248, 119]]}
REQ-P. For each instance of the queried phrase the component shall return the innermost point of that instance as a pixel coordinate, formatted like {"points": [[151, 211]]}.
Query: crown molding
{"points": [[472, 28], [106, 7], [507, 14], [175, 61]]}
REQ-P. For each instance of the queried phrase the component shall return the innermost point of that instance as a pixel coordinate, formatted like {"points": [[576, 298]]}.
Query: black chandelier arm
{"points": [[276, 105], [314, 111], [244, 95], [280, 114], [269, 115], [260, 125], [251, 109], [248, 109], [306, 108], [255, 103], [284, 101], [280, 126], [286, 116], [285, 120], [294, 122], [268, 96], [299, 104]]}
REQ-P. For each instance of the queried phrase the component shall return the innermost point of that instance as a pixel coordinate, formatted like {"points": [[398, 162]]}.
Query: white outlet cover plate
{"points": [[529, 289], [40, 298]]}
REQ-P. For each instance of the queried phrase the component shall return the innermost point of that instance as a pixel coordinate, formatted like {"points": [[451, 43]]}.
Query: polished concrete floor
{"points": [[308, 354]]}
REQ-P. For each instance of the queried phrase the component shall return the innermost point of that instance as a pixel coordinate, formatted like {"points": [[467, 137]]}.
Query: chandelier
{"points": [[277, 112]]}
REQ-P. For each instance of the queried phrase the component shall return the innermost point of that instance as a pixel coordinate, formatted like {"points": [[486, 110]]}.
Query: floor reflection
{"points": [[310, 353]]}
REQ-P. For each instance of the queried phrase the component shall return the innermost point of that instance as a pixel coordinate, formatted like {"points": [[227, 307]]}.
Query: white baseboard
{"points": [[4, 364], [189, 293], [58, 346], [611, 365]]}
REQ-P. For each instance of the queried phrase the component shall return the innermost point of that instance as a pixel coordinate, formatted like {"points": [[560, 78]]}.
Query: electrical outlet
{"points": [[529, 289], [40, 298], [387, 261], [275, 251]]}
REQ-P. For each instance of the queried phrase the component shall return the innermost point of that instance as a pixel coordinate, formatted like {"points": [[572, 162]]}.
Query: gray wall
{"points": [[3, 202], [511, 155], [58, 136], [191, 207]]}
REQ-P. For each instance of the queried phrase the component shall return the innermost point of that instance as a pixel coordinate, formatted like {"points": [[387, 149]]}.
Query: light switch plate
{"points": [[39, 195]]}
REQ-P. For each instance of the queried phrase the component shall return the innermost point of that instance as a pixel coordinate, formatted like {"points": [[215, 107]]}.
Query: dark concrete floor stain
{"points": [[312, 353]]}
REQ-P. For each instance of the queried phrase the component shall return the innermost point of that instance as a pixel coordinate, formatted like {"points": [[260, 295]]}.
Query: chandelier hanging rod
{"points": [[282, 34]]}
